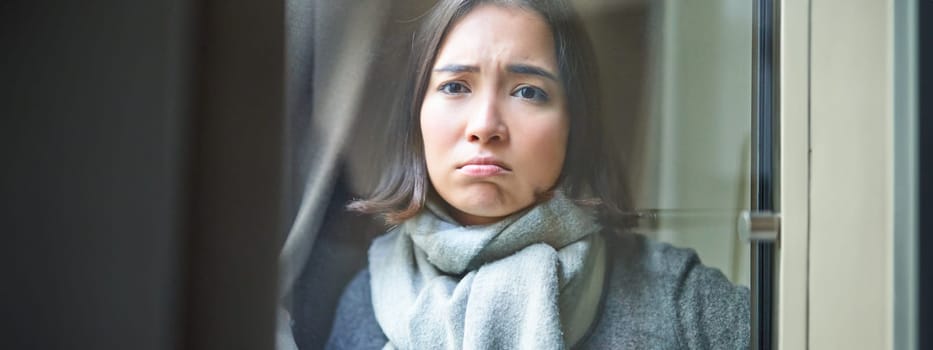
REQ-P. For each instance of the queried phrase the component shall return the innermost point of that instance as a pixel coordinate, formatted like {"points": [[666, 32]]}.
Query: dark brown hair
{"points": [[592, 170]]}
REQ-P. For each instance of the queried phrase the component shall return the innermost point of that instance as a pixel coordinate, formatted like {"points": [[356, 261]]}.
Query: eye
{"points": [[454, 88], [531, 93]]}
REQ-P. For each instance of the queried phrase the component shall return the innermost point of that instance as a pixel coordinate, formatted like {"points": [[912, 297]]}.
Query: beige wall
{"points": [[794, 195], [850, 280]]}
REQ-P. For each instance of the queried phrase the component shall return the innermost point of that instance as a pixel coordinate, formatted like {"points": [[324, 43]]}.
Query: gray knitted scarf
{"points": [[530, 281]]}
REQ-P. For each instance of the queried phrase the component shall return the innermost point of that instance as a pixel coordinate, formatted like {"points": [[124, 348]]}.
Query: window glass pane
{"points": [[687, 125], [675, 82]]}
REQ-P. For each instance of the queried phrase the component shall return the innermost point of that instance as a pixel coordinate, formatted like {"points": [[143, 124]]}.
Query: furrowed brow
{"points": [[530, 70], [457, 68]]}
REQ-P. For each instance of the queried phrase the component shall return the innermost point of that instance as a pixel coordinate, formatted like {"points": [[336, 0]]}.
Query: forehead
{"points": [[499, 34]]}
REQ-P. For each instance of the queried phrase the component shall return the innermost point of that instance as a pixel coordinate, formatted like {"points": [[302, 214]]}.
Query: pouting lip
{"points": [[485, 160]]}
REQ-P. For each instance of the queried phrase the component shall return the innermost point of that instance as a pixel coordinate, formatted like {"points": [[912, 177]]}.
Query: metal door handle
{"points": [[759, 226]]}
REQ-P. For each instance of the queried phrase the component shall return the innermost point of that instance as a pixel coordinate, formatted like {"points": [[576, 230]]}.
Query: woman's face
{"points": [[494, 117]]}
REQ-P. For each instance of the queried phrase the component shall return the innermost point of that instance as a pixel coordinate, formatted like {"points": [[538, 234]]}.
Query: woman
{"points": [[507, 208]]}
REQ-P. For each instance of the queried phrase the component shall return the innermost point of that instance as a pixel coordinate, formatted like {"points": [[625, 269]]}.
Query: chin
{"points": [[485, 200], [488, 206], [487, 212]]}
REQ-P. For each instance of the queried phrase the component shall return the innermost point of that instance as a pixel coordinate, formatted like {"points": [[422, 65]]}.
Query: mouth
{"points": [[483, 166]]}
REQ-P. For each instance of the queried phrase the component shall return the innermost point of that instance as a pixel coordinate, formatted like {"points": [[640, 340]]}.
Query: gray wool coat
{"points": [[658, 297]]}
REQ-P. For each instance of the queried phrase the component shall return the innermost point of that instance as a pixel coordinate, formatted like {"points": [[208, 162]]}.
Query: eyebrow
{"points": [[457, 68], [513, 68], [530, 70]]}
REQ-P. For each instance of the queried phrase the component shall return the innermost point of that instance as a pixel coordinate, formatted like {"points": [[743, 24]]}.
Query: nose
{"points": [[485, 124]]}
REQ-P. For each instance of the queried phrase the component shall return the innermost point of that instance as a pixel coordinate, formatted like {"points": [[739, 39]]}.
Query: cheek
{"points": [[437, 134], [545, 151]]}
